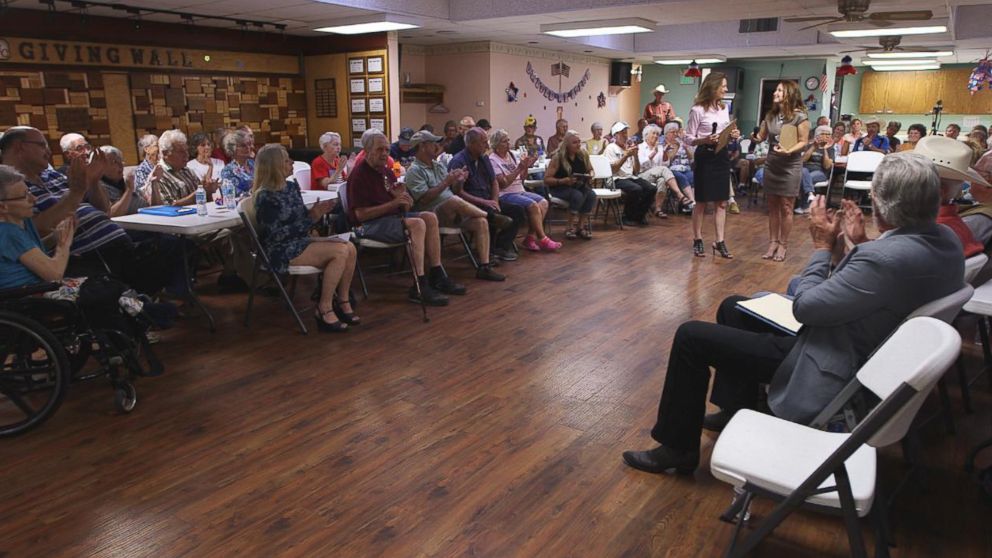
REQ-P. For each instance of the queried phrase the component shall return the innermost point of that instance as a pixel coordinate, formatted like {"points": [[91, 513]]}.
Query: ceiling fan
{"points": [[854, 11], [888, 43]]}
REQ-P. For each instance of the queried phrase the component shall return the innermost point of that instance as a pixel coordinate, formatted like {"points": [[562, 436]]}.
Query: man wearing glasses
{"points": [[99, 243], [74, 146]]}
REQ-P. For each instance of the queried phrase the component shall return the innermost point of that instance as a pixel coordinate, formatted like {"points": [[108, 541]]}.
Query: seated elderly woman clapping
{"points": [[568, 174], [510, 174], [284, 225]]}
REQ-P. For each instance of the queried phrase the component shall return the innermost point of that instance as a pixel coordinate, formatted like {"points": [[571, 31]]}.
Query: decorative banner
{"points": [[551, 94]]}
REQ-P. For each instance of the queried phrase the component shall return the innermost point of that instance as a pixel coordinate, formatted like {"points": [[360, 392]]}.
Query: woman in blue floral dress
{"points": [[241, 170], [284, 224]]}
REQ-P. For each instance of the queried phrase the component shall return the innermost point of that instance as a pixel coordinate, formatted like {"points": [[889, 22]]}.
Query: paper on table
{"points": [[774, 309]]}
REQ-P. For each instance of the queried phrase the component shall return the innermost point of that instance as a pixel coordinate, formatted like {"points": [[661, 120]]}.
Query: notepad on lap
{"points": [[167, 210], [773, 309]]}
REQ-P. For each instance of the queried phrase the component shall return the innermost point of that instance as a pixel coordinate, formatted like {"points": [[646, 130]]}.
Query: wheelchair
{"points": [[46, 344]]}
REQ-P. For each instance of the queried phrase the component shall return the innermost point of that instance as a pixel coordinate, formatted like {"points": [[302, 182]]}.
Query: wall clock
{"points": [[812, 83]]}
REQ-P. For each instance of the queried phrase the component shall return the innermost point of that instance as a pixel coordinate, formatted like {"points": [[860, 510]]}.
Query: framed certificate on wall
{"points": [[377, 105], [378, 124], [358, 106], [375, 64], [358, 85], [376, 85], [356, 66], [358, 125]]}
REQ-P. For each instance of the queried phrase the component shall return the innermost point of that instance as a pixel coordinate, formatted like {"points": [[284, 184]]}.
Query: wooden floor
{"points": [[495, 430]]}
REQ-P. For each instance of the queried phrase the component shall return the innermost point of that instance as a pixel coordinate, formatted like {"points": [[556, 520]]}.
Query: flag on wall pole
{"points": [[823, 80]]}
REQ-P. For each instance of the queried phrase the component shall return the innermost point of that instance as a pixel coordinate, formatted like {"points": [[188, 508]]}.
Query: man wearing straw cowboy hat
{"points": [[973, 225], [659, 111], [873, 141]]}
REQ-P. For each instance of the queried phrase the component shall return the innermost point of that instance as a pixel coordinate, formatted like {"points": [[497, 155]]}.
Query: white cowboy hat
{"points": [[952, 157], [874, 120], [661, 88]]}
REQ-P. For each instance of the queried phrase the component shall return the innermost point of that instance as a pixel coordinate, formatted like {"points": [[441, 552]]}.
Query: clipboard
{"points": [[724, 138], [789, 136], [167, 210], [773, 309]]}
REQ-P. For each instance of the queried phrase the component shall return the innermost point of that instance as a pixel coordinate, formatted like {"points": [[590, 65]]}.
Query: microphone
{"points": [[714, 127]]}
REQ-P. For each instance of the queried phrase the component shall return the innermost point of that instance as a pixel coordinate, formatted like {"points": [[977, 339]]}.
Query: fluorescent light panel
{"points": [[599, 27], [906, 68], [912, 54], [912, 62], [360, 28], [687, 61], [879, 32]]}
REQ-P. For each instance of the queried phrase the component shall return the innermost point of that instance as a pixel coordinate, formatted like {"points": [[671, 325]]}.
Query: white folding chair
{"points": [[261, 262], [609, 196], [302, 176], [834, 472], [863, 164]]}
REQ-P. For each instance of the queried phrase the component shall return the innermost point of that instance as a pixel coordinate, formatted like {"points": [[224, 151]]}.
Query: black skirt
{"points": [[712, 175]]}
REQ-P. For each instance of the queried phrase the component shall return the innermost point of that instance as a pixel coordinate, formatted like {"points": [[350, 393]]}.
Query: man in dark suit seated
{"points": [[846, 310]]}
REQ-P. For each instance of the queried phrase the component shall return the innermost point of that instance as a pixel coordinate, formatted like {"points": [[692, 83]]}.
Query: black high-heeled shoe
{"points": [[348, 318], [324, 327], [721, 247], [697, 248]]}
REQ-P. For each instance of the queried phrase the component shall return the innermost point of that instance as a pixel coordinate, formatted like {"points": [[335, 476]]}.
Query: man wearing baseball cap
{"points": [[952, 158], [659, 111], [430, 184], [401, 150]]}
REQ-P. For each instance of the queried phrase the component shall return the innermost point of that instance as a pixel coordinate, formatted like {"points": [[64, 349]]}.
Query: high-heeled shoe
{"points": [[345, 317], [780, 253], [697, 248], [336, 327], [721, 247]]}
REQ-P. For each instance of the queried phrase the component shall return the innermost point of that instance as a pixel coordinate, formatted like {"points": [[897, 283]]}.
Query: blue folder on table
{"points": [[167, 210]]}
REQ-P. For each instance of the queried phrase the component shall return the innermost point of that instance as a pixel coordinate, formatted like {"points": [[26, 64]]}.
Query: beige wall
{"points": [[475, 76]]}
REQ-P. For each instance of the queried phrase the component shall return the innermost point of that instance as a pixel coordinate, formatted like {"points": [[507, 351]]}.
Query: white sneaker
{"points": [[800, 211]]}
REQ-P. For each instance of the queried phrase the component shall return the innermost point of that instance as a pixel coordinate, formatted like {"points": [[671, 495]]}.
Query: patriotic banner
{"points": [[553, 95]]}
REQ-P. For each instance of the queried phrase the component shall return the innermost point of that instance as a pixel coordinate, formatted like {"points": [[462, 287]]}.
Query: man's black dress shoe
{"points": [[661, 459], [716, 422]]}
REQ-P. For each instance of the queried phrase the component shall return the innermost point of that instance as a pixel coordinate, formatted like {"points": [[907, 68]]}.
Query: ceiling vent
{"points": [[759, 25]]}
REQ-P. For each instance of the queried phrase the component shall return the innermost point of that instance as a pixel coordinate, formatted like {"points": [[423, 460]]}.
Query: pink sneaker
{"points": [[530, 243], [549, 245]]}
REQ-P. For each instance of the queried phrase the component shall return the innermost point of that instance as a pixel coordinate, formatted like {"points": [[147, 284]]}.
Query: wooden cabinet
{"points": [[916, 92]]}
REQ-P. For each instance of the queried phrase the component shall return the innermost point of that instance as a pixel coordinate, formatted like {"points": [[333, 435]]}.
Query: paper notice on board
{"points": [[970, 121]]}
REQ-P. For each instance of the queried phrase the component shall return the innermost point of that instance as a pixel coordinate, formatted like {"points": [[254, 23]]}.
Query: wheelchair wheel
{"points": [[34, 373], [125, 397]]}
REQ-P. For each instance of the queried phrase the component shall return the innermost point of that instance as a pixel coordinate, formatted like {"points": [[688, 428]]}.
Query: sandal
{"points": [[584, 234], [571, 234], [660, 214], [346, 317], [772, 248], [329, 327], [780, 257]]}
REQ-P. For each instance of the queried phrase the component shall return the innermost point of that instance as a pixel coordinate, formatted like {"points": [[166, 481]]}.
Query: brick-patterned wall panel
{"points": [[56, 103], [275, 107]]}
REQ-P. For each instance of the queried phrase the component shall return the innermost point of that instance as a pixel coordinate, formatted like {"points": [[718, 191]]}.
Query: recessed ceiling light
{"points": [[532, 42], [912, 54], [370, 24], [880, 32], [708, 59], [906, 68], [599, 27]]}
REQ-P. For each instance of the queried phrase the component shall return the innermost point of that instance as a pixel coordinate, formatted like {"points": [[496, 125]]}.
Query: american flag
{"points": [[823, 80]]}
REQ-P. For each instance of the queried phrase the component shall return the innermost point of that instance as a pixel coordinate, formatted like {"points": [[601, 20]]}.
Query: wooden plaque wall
{"points": [[56, 103], [275, 107]]}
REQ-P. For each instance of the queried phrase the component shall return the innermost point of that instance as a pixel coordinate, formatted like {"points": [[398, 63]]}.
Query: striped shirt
{"points": [[93, 227], [176, 184]]}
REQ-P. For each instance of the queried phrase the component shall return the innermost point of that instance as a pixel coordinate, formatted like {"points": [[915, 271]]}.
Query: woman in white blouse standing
{"points": [[708, 117]]}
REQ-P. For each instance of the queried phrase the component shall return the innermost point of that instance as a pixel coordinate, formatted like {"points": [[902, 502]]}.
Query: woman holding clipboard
{"points": [[784, 125], [707, 119]]}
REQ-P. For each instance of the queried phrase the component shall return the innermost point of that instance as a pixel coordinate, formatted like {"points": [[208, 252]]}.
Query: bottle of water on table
{"points": [[228, 193], [201, 201]]}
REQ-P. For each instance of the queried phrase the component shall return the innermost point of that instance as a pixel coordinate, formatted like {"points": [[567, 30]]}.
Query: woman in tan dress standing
{"points": [[783, 167]]}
